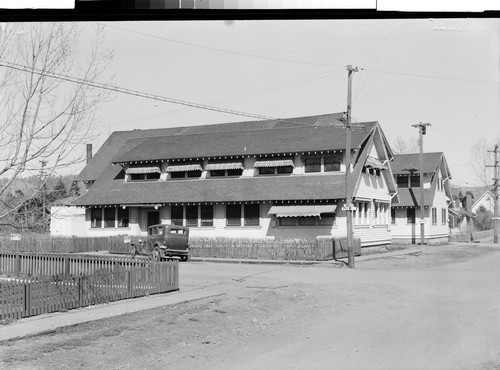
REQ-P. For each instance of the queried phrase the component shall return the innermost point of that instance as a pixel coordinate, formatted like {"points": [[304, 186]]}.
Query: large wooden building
{"points": [[276, 179]]}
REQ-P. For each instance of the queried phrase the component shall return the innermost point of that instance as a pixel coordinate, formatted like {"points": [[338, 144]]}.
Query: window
{"points": [[229, 173], [96, 217], [313, 164], [434, 216], [327, 219], [287, 221], [275, 170], [362, 214], [266, 170], [402, 181], [145, 176], [332, 164], [207, 215], [285, 169], [192, 216], [235, 172], [193, 173], [415, 181], [444, 217], [123, 217], [217, 173], [252, 214], [307, 221], [109, 217], [233, 214], [393, 216], [177, 215], [185, 174], [410, 215]]}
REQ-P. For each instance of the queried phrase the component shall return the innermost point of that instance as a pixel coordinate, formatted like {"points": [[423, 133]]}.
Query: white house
{"points": [[276, 179], [405, 212]]}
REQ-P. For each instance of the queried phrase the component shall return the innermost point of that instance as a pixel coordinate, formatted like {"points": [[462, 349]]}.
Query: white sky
{"points": [[297, 68]]}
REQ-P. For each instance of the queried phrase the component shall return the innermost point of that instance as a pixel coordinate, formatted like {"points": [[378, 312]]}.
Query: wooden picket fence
{"points": [[30, 296], [44, 243], [61, 264], [263, 249]]}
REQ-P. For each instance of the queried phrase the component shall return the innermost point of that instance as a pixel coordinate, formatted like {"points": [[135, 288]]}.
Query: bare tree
{"points": [[480, 158], [405, 146], [44, 118]]}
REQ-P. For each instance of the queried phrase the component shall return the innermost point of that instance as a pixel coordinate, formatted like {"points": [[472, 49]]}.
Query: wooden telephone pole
{"points": [[495, 194], [348, 201], [422, 128]]}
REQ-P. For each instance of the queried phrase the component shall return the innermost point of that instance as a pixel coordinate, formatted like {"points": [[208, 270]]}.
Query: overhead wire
{"points": [[235, 97], [222, 50], [113, 88]]}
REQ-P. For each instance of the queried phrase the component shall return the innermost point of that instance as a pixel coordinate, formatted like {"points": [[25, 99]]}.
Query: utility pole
{"points": [[422, 128], [42, 189], [495, 194], [348, 201]]}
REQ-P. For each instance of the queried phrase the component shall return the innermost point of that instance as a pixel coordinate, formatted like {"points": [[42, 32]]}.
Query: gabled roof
{"points": [[234, 143], [410, 197], [235, 139], [114, 145], [405, 162]]}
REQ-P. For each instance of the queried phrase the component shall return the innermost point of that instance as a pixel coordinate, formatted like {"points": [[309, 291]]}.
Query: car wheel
{"points": [[156, 255], [133, 251]]}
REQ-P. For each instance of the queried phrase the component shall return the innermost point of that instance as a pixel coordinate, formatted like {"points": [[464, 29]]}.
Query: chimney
{"points": [[89, 153]]}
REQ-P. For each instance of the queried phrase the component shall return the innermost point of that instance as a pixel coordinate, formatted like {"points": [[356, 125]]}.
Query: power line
{"points": [[224, 50], [237, 97], [296, 61], [430, 76], [81, 81]]}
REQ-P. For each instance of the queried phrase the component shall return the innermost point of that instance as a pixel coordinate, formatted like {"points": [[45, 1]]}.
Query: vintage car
{"points": [[163, 241]]}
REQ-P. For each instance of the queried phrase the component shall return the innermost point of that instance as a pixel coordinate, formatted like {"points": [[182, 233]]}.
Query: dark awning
{"points": [[274, 163], [140, 170], [238, 165], [184, 168], [302, 210]]}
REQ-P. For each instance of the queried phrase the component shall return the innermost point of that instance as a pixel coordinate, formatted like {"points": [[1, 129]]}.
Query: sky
{"points": [[442, 71]]}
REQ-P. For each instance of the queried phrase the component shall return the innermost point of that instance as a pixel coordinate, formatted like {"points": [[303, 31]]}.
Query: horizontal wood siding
{"points": [[372, 187]]}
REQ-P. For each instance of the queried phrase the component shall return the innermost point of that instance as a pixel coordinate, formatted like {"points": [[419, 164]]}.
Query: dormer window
{"points": [[273, 166], [183, 170], [225, 168], [322, 163], [143, 173]]}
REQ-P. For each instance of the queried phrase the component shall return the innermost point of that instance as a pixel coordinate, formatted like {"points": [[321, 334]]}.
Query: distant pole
{"points": [[348, 200], [42, 188], [495, 194], [422, 127]]}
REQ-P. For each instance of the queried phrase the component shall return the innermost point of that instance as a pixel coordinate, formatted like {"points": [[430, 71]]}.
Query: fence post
{"points": [[66, 266], [129, 282], [17, 268]]}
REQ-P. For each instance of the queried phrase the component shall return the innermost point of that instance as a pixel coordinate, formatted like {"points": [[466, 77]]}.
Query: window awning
{"points": [[302, 210], [184, 168], [274, 163], [375, 163], [224, 166], [141, 170]]}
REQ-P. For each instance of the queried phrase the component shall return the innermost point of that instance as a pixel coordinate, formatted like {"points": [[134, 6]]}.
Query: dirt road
{"points": [[435, 310]]}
